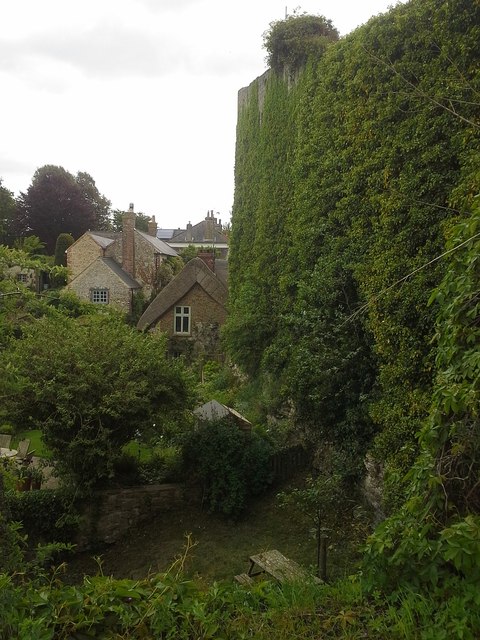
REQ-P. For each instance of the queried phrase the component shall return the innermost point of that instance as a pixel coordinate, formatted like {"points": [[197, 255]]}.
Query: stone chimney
{"points": [[152, 227], [128, 241], [209, 227], [189, 236], [209, 259]]}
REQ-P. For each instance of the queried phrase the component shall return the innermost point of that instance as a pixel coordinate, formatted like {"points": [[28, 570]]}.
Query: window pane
{"points": [[99, 296]]}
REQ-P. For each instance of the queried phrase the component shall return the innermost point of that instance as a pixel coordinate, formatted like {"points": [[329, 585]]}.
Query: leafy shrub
{"points": [[7, 428], [126, 470], [231, 464], [164, 466], [47, 516], [289, 42]]}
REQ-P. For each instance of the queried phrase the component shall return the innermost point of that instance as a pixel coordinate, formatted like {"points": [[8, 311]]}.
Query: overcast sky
{"points": [[140, 94]]}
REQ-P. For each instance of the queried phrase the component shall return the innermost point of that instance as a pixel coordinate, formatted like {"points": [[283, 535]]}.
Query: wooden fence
{"points": [[284, 464]]}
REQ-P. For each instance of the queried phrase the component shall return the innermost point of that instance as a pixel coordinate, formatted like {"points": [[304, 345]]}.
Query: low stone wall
{"points": [[114, 511]]}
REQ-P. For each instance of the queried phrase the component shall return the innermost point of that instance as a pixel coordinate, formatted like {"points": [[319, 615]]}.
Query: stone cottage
{"points": [[192, 308], [109, 268]]}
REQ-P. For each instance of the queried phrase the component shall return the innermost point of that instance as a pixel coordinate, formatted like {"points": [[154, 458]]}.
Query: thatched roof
{"points": [[194, 272]]}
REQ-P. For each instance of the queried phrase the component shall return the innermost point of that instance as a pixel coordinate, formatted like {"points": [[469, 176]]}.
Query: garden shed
{"points": [[214, 410]]}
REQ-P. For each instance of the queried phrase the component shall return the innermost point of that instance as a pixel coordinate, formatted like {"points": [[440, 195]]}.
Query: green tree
{"points": [[64, 240], [90, 384], [141, 221], [231, 464], [188, 253], [7, 215], [31, 245]]}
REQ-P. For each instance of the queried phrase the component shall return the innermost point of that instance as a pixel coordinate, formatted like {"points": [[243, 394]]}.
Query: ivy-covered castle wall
{"points": [[347, 184]]}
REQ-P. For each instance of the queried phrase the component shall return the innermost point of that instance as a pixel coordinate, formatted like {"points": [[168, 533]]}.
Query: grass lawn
{"points": [[142, 451], [222, 547], [36, 442], [138, 450]]}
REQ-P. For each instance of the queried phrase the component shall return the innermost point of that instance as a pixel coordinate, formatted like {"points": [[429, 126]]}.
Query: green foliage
{"points": [[46, 516], [162, 465], [165, 465], [345, 183], [290, 42], [218, 382], [139, 304], [89, 384], [116, 221], [31, 245], [64, 240], [439, 524], [188, 253], [7, 215], [231, 464]]}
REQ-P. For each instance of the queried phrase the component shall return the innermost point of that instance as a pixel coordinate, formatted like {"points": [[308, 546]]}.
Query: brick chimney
{"points": [[152, 227], [128, 241], [209, 259]]}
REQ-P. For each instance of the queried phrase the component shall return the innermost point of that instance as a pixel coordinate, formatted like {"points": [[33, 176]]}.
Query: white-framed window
{"points": [[99, 296], [182, 319], [22, 277]]}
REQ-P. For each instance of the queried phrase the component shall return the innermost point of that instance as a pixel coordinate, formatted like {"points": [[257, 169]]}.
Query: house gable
{"points": [[195, 286], [82, 253], [132, 255], [206, 233], [104, 274]]}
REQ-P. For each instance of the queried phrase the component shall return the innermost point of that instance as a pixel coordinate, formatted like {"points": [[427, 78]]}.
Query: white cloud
{"points": [[141, 94]]}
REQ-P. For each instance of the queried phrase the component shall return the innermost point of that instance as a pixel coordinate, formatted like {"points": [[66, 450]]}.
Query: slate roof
{"points": [[103, 240], [159, 245], [199, 232], [123, 275], [195, 271]]}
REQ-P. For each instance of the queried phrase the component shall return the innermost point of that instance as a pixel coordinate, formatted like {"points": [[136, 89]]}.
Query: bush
{"points": [[164, 466], [7, 428], [46, 516], [231, 464]]}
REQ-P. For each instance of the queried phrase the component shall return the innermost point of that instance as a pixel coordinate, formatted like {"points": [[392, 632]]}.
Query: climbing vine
{"points": [[347, 181]]}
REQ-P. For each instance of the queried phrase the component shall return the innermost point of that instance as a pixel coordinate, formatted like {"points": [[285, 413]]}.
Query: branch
{"points": [[419, 92]]}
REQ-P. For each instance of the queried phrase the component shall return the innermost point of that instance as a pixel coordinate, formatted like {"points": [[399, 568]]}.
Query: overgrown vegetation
{"points": [[231, 465], [354, 314], [347, 184], [290, 42], [90, 384]]}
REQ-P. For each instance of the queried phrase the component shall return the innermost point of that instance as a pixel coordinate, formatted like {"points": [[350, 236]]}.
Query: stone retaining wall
{"points": [[114, 511]]}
